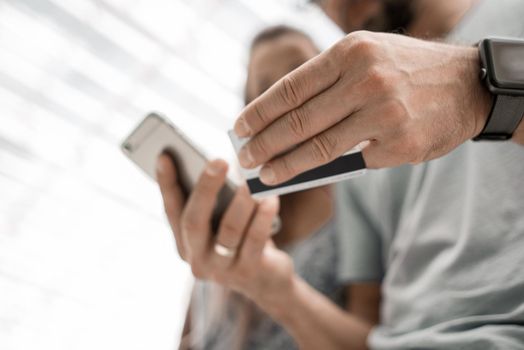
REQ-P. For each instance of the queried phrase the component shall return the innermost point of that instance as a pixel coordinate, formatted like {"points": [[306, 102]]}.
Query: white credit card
{"points": [[349, 165]]}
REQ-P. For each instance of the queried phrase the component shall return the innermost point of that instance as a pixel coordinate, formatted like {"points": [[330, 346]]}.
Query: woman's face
{"points": [[272, 59], [351, 15]]}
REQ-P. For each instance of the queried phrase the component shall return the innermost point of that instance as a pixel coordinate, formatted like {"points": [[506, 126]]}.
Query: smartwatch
{"points": [[502, 71]]}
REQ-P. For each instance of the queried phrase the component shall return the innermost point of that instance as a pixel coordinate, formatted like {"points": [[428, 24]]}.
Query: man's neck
{"points": [[436, 19]]}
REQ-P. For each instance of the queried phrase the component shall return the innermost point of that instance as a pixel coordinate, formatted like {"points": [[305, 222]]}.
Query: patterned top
{"points": [[239, 324]]}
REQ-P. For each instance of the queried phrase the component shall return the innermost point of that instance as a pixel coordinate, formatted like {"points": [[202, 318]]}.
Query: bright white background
{"points": [[86, 259]]}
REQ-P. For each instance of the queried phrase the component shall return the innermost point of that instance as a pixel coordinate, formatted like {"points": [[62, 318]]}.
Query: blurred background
{"points": [[86, 258]]}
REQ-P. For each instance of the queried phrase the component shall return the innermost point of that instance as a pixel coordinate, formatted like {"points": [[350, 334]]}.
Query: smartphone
{"points": [[156, 135]]}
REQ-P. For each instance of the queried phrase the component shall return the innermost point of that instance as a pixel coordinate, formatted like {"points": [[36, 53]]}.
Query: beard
{"points": [[396, 17]]}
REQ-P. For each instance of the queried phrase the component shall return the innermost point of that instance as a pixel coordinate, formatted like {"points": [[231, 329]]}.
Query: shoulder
{"points": [[488, 18]]}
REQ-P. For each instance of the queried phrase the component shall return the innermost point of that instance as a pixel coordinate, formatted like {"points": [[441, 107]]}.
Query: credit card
{"points": [[347, 166]]}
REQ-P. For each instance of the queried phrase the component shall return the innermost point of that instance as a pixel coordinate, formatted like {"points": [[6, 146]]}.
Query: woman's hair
{"points": [[267, 35], [275, 32]]}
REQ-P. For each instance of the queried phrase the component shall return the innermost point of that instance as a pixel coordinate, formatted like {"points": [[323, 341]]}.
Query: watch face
{"points": [[507, 63]]}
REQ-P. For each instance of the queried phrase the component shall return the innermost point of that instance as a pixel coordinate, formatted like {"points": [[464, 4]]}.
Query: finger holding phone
{"points": [[240, 255]]}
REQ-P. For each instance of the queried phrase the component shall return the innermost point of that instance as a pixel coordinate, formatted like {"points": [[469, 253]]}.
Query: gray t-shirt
{"points": [[446, 238]]}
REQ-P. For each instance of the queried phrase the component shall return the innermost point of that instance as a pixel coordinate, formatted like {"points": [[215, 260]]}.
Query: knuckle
{"points": [[363, 43], [259, 114], [229, 229], [258, 237], [335, 56], [284, 168], [323, 148], [259, 147], [298, 122], [290, 91], [356, 44], [358, 35], [197, 270], [378, 80], [191, 222], [339, 49]]}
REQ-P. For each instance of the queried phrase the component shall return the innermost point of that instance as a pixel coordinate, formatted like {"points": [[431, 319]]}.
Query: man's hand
{"points": [[413, 100], [256, 269]]}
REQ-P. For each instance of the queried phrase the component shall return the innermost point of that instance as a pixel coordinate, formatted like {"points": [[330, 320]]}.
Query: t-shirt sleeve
{"points": [[359, 248]]}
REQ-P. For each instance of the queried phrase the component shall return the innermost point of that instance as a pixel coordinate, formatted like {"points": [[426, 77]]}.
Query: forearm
{"points": [[314, 321]]}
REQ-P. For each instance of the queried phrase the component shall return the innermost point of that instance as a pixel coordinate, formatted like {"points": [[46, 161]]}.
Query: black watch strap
{"points": [[506, 114]]}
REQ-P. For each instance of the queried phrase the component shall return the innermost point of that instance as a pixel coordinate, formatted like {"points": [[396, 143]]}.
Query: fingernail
{"points": [[245, 157], [267, 175], [363, 145], [214, 168], [242, 129], [273, 200]]}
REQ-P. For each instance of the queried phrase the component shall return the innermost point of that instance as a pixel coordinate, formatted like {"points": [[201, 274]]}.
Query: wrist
{"points": [[480, 99], [518, 136], [281, 304]]}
